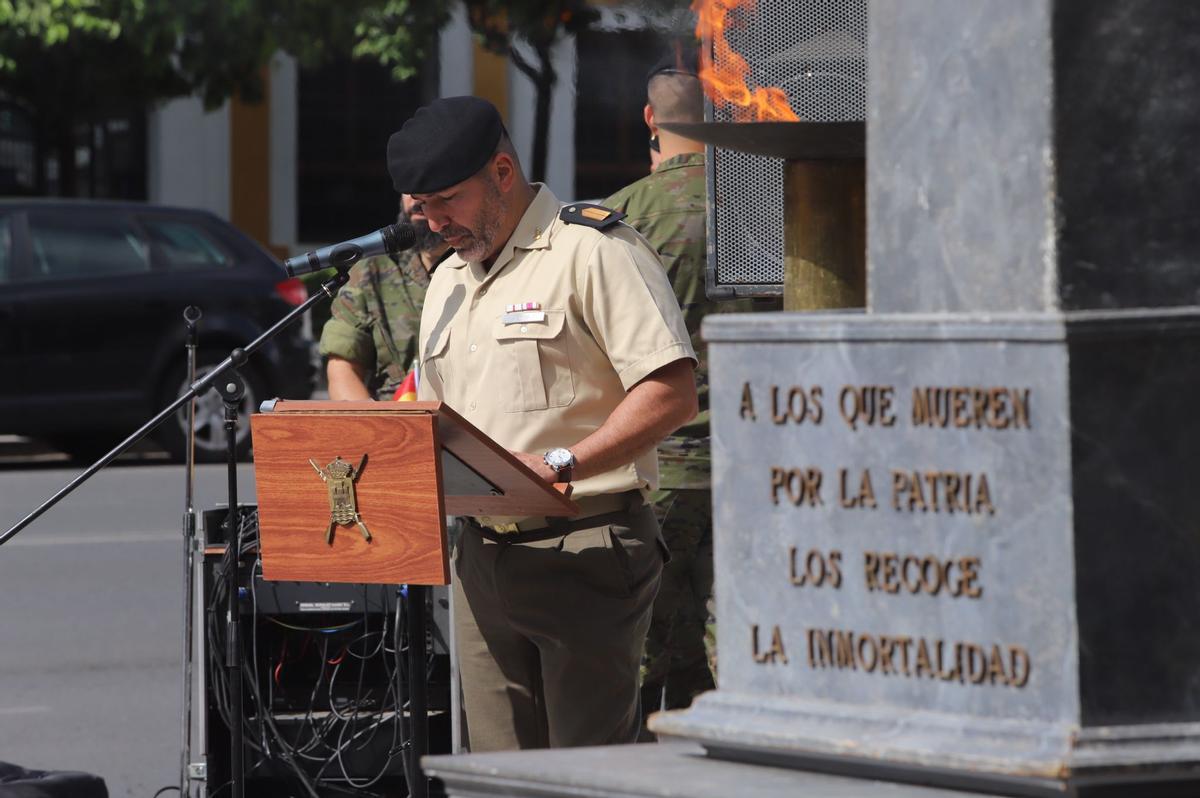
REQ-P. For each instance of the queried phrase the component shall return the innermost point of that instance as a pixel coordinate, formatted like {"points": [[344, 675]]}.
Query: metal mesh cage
{"points": [[815, 50]]}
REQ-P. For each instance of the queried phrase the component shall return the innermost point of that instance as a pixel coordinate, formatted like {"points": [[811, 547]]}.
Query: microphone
{"points": [[385, 241]]}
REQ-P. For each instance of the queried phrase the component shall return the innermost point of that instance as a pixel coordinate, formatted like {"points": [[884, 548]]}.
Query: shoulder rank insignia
{"points": [[586, 213]]}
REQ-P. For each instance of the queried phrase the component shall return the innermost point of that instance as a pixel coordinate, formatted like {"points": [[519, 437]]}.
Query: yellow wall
{"points": [[250, 167], [491, 78]]}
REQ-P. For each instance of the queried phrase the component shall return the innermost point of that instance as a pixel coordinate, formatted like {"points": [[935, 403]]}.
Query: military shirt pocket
{"points": [[434, 364], [536, 355]]}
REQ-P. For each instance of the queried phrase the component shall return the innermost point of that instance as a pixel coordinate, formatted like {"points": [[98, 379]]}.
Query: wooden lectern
{"points": [[423, 462], [385, 475]]}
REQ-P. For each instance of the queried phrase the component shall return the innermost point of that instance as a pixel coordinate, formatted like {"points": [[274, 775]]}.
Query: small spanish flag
{"points": [[407, 392]]}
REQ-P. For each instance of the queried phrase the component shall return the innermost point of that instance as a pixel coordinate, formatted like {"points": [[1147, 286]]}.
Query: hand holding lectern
{"points": [[328, 471]]}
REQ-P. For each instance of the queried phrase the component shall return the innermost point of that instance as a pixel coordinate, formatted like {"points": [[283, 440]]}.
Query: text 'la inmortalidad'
{"points": [[918, 657]]}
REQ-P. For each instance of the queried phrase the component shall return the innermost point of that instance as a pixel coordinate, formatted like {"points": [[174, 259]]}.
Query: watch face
{"points": [[558, 459]]}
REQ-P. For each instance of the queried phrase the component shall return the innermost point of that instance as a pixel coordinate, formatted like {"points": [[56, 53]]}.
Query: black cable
{"points": [[353, 721], [254, 669], [218, 674], [162, 790], [284, 748], [370, 731], [374, 727]]}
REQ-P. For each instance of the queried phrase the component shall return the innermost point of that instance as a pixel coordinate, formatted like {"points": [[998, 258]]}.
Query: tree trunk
{"points": [[541, 120], [543, 78]]}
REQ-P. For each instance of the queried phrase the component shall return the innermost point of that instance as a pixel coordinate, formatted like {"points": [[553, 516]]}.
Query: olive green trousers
{"points": [[550, 634]]}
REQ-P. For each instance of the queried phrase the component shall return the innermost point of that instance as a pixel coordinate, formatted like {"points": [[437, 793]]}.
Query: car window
{"points": [[6, 248], [184, 245], [83, 245]]}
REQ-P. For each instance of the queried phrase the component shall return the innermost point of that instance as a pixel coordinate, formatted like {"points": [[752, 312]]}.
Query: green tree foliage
{"points": [[399, 33], [66, 61]]}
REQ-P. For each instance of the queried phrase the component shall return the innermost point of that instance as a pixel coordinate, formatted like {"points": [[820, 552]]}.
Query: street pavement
{"points": [[91, 616]]}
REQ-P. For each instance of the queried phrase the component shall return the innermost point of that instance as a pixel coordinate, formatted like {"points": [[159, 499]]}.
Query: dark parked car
{"points": [[91, 321]]}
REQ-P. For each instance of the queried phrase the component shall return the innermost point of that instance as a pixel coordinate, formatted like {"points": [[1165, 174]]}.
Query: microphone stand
{"points": [[232, 388], [418, 710], [191, 316], [229, 384]]}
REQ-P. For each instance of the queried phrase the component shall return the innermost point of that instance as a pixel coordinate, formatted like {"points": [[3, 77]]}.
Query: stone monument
{"points": [[958, 534]]}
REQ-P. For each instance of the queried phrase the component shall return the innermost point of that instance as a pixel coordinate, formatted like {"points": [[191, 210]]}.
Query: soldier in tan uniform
{"points": [[554, 330]]}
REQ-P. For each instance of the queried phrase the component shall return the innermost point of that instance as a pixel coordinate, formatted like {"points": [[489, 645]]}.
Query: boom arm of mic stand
{"points": [[328, 289]]}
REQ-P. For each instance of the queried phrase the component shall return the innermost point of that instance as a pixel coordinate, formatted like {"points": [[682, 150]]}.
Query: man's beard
{"points": [[478, 244]]}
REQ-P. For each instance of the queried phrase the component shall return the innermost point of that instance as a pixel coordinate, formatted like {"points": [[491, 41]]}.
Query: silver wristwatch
{"points": [[561, 461]]}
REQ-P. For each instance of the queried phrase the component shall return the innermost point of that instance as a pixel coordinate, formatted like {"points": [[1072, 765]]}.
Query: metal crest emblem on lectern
{"points": [[339, 478]]}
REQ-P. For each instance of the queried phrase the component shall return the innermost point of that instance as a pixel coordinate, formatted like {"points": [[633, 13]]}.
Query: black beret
{"points": [[442, 144], [682, 58]]}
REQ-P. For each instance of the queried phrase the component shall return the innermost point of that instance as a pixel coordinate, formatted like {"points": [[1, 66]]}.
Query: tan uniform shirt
{"points": [[611, 319]]}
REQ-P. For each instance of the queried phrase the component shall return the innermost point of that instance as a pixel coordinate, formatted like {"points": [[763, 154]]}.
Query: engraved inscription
{"points": [[946, 490], [941, 492], [919, 657], [817, 568], [958, 406], [774, 653], [994, 408], [747, 409], [867, 405], [798, 485], [890, 573], [797, 405], [861, 496], [912, 491]]}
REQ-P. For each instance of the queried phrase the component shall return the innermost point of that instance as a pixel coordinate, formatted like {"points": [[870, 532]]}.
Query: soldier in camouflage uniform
{"points": [[370, 339], [667, 207]]}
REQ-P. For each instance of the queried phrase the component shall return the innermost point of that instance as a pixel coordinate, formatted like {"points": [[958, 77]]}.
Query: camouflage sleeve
{"points": [[619, 201], [347, 334]]}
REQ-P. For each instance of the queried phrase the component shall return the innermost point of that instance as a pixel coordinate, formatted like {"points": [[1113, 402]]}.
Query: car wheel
{"points": [[210, 413]]}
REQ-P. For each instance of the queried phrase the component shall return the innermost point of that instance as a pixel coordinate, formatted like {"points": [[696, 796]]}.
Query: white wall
{"points": [[188, 153], [283, 141], [188, 156], [456, 56]]}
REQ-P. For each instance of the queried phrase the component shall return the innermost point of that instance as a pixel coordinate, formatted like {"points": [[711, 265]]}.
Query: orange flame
{"points": [[723, 72]]}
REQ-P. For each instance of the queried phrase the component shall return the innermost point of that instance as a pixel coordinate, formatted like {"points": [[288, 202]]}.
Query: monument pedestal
{"points": [[959, 544]]}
